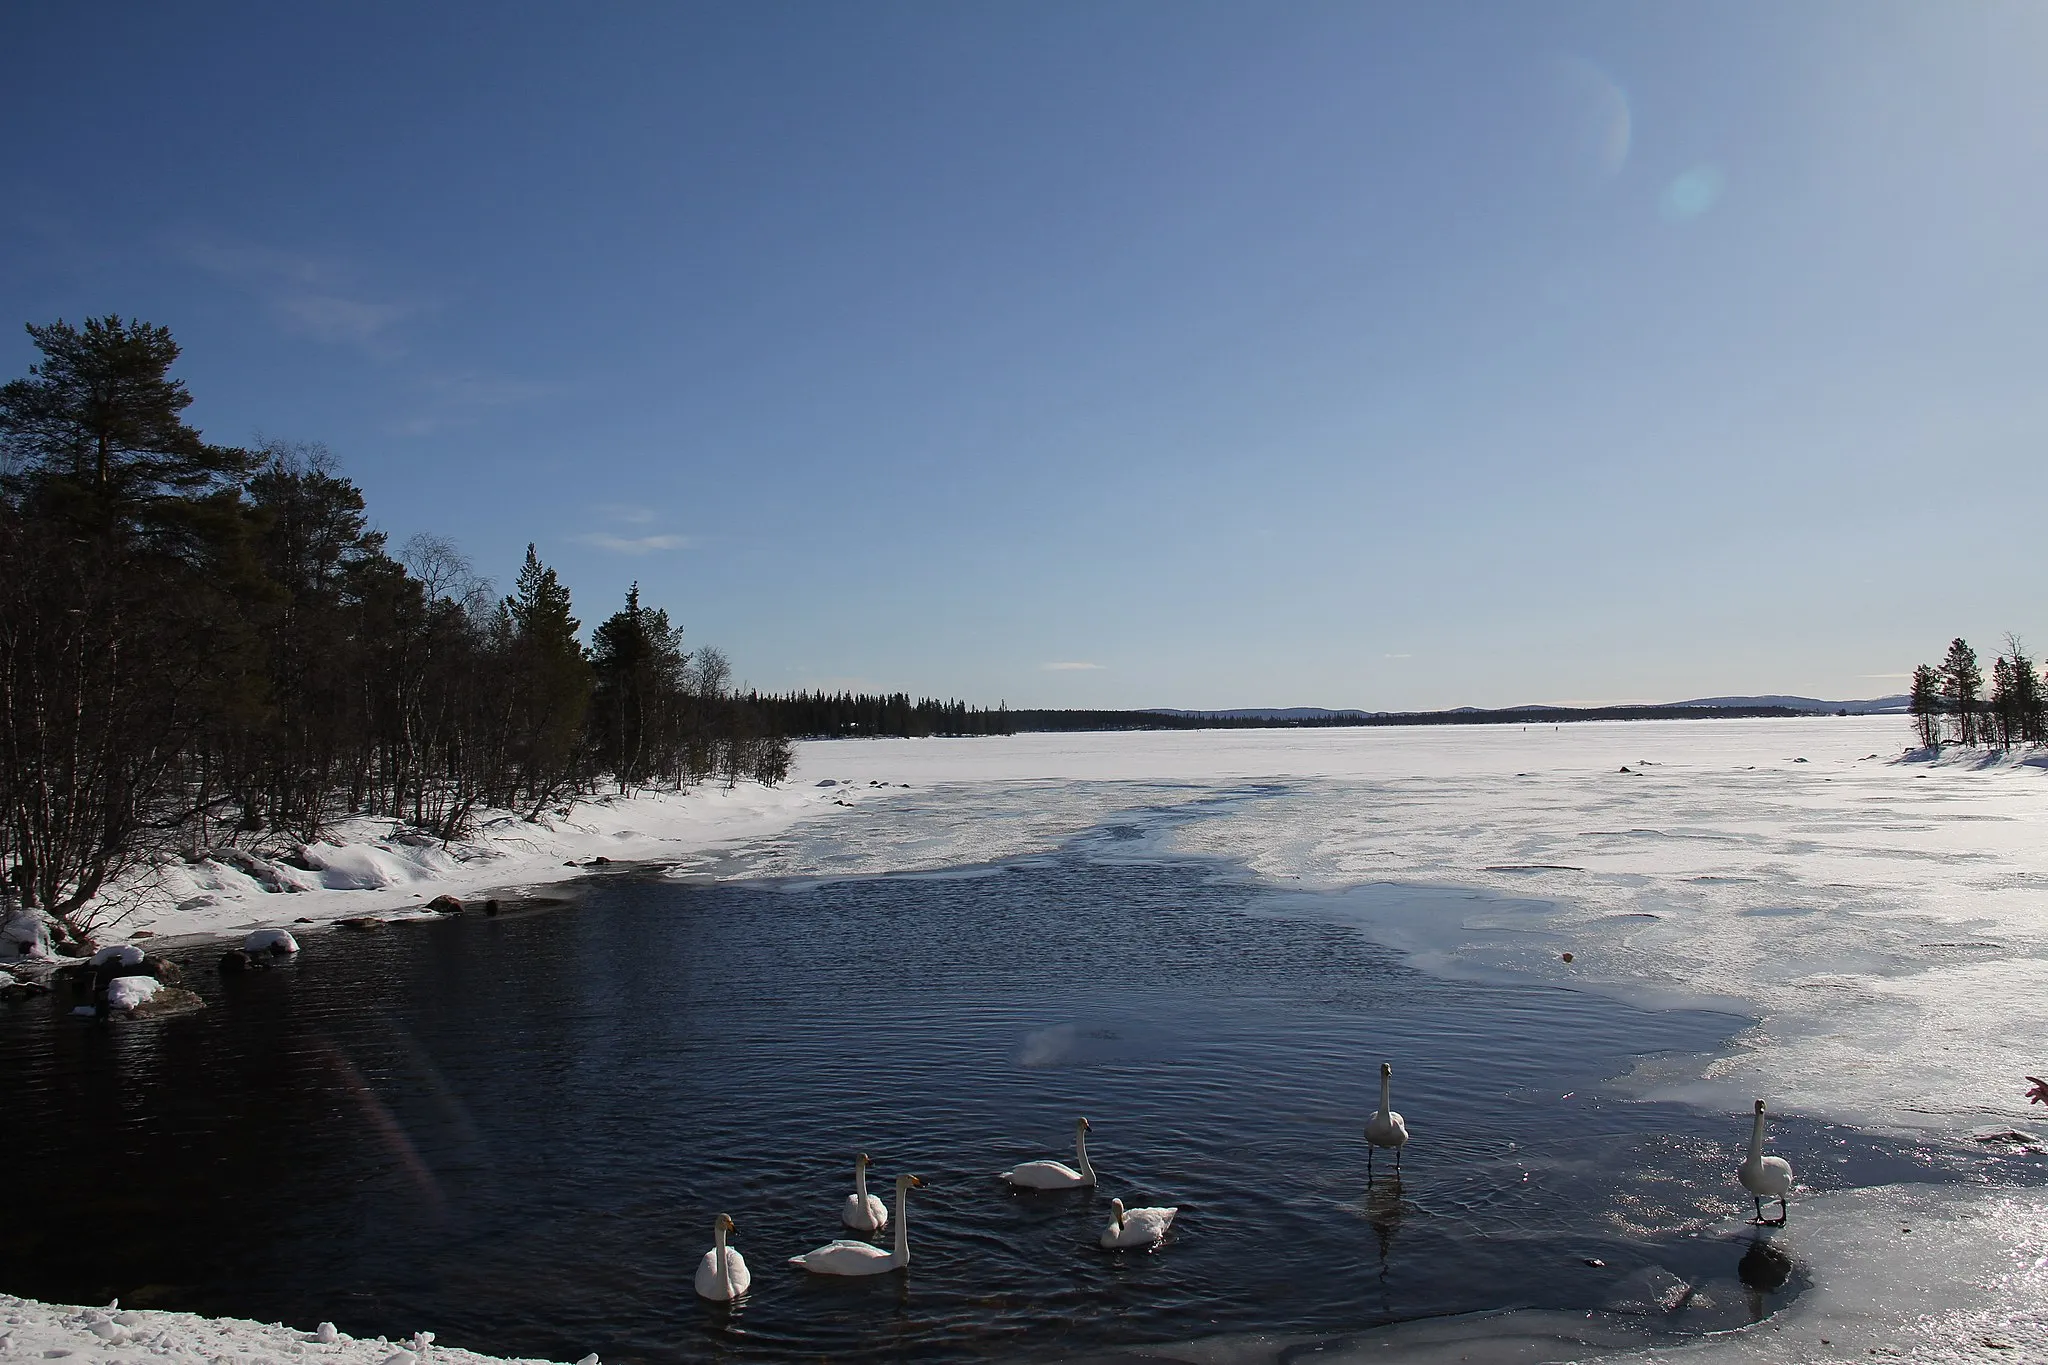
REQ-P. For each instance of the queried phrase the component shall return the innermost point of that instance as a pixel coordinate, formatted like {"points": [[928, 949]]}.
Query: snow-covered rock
{"points": [[120, 955], [24, 933], [126, 992], [275, 942]]}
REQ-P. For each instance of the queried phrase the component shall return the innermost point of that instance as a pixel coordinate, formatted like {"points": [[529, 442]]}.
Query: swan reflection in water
{"points": [[1383, 1210], [1764, 1269]]}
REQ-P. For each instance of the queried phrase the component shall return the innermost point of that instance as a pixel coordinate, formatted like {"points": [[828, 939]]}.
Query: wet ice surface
{"points": [[1857, 907]]}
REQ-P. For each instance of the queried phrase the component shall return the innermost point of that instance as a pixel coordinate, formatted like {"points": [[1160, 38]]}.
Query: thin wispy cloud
{"points": [[312, 296], [1071, 666], [325, 317], [459, 399], [632, 545]]}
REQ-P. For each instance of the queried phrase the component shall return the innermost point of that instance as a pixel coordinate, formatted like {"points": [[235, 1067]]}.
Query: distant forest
{"points": [[1949, 703], [846, 715], [204, 645]]}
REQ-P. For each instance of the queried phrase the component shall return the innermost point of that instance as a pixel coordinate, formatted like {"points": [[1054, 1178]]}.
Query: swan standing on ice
{"points": [[1385, 1128], [863, 1212], [722, 1275], [1765, 1177], [859, 1258], [1136, 1227], [1057, 1175]]}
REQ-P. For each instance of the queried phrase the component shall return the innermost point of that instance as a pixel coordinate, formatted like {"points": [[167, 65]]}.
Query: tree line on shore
{"points": [[1949, 703], [202, 645]]}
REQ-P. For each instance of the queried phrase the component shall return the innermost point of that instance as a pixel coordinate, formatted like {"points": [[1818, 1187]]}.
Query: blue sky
{"points": [[1112, 353]]}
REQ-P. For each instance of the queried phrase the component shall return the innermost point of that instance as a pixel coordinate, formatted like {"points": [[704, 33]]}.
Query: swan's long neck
{"points": [[724, 1263], [1081, 1153], [1756, 1140], [860, 1182], [1386, 1093], [902, 1226]]}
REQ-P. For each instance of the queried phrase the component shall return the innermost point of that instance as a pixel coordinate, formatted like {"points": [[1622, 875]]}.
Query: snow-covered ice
{"points": [[1884, 921]]}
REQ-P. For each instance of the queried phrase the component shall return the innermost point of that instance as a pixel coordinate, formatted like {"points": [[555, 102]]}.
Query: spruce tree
{"points": [[551, 683], [2023, 699], [1962, 687]]}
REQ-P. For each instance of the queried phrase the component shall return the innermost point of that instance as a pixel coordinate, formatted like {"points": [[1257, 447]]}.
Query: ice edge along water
{"points": [[1884, 921]]}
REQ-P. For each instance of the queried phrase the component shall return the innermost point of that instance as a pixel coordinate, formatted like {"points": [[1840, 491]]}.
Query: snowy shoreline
{"points": [[1885, 920], [375, 867]]}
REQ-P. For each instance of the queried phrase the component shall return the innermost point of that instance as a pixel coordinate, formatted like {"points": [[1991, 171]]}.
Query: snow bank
{"points": [[377, 867], [100, 1336]]}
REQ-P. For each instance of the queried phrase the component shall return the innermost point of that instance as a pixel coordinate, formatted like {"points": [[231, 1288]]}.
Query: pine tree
{"points": [[124, 644], [637, 708], [95, 432], [1962, 688], [551, 684], [2020, 701], [1925, 705]]}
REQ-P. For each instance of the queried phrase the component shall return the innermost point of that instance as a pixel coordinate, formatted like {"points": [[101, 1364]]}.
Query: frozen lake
{"points": [[516, 1131], [520, 1129]]}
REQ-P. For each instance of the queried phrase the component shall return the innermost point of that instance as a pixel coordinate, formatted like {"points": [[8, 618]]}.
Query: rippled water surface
{"points": [[517, 1131]]}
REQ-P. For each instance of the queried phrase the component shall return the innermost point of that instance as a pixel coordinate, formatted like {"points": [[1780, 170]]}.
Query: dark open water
{"points": [[516, 1131]]}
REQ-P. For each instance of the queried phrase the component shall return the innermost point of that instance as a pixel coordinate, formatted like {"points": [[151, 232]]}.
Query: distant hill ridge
{"points": [[1874, 706]]}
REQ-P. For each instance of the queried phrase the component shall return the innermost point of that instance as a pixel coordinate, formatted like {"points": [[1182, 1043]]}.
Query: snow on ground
{"points": [[1885, 921], [112, 1335], [376, 867]]}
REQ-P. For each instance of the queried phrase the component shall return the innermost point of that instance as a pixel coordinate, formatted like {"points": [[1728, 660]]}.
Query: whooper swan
{"points": [[1136, 1227], [722, 1275], [859, 1258], [1385, 1128], [1765, 1177], [1057, 1175], [863, 1212]]}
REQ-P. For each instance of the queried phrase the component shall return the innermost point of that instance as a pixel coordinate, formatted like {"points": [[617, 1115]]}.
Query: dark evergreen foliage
{"points": [[1962, 687], [1948, 702], [202, 646], [847, 715], [1925, 704]]}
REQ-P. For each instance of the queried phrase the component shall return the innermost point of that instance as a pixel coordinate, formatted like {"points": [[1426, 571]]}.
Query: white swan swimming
{"points": [[859, 1258], [1765, 1177], [722, 1275], [1136, 1227], [1385, 1128], [863, 1212], [1057, 1175]]}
